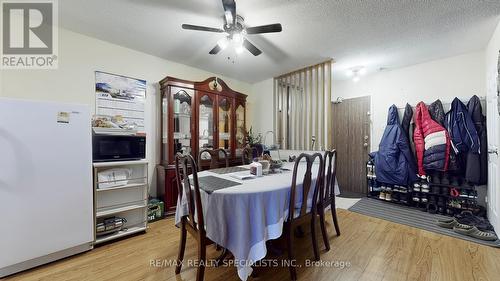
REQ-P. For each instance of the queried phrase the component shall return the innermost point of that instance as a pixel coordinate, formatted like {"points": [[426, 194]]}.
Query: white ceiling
{"points": [[375, 34]]}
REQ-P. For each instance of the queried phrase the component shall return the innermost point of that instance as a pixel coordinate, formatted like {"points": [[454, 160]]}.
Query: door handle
{"points": [[365, 144]]}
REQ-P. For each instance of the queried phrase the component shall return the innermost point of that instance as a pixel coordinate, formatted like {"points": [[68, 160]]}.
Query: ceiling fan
{"points": [[236, 30]]}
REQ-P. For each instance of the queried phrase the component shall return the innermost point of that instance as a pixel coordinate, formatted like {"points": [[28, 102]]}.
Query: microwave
{"points": [[118, 148]]}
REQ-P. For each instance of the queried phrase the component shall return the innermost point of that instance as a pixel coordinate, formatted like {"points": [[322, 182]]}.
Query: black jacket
{"points": [[477, 165], [437, 112], [408, 129]]}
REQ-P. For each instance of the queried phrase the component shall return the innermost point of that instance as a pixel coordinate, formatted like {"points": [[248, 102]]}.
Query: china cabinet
{"points": [[196, 116]]}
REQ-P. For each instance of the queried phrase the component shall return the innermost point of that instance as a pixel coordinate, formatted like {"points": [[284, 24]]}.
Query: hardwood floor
{"points": [[369, 249]]}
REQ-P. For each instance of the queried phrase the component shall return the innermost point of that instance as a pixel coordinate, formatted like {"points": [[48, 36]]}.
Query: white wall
{"points": [[260, 107], [460, 76], [73, 81], [491, 69]]}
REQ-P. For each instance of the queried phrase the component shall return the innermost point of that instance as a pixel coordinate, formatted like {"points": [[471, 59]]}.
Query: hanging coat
{"points": [[436, 111], [477, 165], [393, 160], [432, 142], [462, 131], [406, 123]]}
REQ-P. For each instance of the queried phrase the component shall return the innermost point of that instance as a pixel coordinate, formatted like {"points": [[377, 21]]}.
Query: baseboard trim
{"points": [[18, 267]]}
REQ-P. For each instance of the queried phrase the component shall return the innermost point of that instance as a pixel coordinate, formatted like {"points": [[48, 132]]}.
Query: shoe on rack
{"points": [[388, 188], [444, 190], [425, 188], [445, 180], [441, 202], [388, 196], [382, 195], [424, 199], [464, 193], [473, 194], [416, 198], [436, 178], [432, 208], [416, 187]]}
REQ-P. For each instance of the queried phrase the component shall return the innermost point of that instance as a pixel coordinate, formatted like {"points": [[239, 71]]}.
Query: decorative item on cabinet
{"points": [[195, 116]]}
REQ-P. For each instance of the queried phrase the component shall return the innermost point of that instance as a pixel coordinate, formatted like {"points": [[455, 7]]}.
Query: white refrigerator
{"points": [[46, 196]]}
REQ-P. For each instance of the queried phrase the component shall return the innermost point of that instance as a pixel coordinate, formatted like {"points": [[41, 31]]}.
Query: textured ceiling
{"points": [[375, 34]]}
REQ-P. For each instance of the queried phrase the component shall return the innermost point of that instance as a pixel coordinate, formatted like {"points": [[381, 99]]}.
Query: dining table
{"points": [[241, 218]]}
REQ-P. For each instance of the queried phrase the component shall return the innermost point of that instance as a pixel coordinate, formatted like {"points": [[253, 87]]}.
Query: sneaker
{"points": [[388, 196], [432, 208], [473, 194], [416, 187], [424, 200], [416, 198], [425, 188], [445, 180], [444, 190], [381, 195], [435, 189], [436, 178], [388, 188], [464, 193]]}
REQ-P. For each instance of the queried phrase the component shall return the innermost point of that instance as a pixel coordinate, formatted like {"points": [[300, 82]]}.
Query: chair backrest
{"points": [[330, 159], [306, 184], [215, 156], [189, 189]]}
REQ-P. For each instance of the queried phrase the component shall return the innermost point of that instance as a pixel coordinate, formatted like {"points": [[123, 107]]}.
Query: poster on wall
{"points": [[121, 98]]}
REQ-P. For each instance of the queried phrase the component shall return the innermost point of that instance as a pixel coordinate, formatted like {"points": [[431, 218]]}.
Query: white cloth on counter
{"points": [[243, 217]]}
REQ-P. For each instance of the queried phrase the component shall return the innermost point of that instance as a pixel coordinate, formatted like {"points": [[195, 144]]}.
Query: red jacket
{"points": [[432, 142]]}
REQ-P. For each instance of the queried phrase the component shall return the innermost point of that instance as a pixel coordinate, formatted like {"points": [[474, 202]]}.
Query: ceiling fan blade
{"points": [[230, 6], [201, 28], [251, 48], [264, 29], [215, 50]]}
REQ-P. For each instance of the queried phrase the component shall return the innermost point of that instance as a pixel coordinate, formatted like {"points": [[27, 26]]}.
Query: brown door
{"points": [[351, 138]]}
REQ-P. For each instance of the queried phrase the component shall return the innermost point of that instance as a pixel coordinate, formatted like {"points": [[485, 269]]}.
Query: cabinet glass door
{"points": [[206, 122], [164, 129], [240, 129], [225, 124], [182, 114]]}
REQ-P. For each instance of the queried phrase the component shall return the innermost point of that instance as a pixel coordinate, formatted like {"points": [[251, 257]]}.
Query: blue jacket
{"points": [[394, 161], [461, 128]]}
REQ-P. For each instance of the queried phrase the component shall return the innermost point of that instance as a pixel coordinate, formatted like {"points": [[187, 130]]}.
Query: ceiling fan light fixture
{"points": [[238, 39], [223, 42], [229, 17], [239, 49]]}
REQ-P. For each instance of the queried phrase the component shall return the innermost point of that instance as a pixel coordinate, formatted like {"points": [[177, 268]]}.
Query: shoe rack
{"points": [[439, 193]]}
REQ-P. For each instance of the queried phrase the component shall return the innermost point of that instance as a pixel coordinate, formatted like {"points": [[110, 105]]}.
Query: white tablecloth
{"points": [[242, 218]]}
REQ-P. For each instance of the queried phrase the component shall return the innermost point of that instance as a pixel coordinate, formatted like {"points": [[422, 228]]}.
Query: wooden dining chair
{"points": [[327, 194], [192, 222], [215, 158], [303, 215]]}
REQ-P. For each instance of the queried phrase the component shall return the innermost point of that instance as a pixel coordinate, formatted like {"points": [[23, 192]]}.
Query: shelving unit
{"points": [[123, 198], [438, 195]]}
